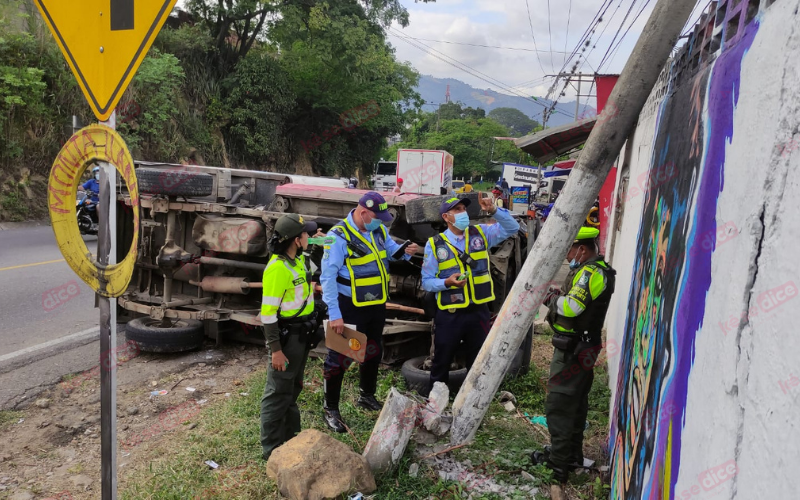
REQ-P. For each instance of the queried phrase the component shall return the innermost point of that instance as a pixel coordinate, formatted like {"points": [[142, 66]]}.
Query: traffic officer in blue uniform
{"points": [[289, 319], [355, 287], [577, 314], [457, 268]]}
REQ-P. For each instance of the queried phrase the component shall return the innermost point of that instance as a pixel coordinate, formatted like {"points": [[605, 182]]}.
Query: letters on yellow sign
{"points": [[90, 145]]}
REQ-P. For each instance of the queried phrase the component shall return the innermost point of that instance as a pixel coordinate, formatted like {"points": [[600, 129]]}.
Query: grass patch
{"points": [[228, 433], [9, 417], [14, 205]]}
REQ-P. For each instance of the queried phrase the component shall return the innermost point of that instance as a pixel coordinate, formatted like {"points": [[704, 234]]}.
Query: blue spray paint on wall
{"points": [[671, 280]]}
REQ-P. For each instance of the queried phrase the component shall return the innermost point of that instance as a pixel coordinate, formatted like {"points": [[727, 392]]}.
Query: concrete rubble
{"points": [[392, 432]]}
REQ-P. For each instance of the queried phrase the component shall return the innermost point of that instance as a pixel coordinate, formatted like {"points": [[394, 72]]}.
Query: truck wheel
{"points": [[174, 182], [183, 335], [418, 379]]}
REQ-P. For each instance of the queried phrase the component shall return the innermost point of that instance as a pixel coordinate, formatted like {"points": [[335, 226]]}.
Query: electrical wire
{"points": [[619, 43], [619, 30], [566, 38], [530, 22], [478, 44], [464, 67], [549, 33]]}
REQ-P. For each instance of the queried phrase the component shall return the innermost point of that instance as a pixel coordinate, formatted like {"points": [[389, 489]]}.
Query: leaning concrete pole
{"points": [[605, 142]]}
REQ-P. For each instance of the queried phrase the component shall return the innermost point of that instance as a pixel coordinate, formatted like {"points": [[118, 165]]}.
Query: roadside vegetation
{"points": [[228, 433]]}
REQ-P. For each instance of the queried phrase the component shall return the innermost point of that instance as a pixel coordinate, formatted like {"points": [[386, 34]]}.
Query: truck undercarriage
{"points": [[203, 248]]}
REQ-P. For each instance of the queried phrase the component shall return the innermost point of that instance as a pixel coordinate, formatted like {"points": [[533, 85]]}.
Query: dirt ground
{"points": [[53, 446]]}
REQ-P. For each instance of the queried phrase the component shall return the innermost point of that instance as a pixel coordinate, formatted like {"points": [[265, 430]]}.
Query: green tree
{"points": [[258, 105], [338, 62], [515, 120]]}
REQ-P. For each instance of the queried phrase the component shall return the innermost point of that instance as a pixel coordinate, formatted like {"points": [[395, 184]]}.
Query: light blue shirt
{"points": [[333, 266], [495, 234]]}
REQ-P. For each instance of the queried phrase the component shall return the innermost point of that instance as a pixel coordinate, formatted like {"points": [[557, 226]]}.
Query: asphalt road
{"points": [[48, 322]]}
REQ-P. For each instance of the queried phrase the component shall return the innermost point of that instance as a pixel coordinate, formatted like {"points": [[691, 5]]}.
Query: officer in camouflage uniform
{"points": [[287, 312], [577, 318]]}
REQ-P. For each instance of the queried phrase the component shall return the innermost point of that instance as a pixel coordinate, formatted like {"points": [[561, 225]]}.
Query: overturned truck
{"points": [[203, 249]]}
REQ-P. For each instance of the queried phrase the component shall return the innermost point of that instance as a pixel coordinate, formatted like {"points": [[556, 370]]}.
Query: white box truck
{"points": [[425, 171]]}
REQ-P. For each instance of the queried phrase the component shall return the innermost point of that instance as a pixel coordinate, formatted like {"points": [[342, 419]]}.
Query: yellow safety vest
{"points": [[480, 287], [367, 264], [286, 291]]}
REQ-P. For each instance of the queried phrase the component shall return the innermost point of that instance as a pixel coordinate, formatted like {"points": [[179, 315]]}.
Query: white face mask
{"points": [[97, 175]]}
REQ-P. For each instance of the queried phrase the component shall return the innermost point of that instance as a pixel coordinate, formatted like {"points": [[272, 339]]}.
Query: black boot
{"points": [[560, 473], [368, 402], [330, 409], [333, 419]]}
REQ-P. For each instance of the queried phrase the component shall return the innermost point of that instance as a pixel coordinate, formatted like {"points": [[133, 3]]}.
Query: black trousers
{"points": [[470, 325], [370, 321]]}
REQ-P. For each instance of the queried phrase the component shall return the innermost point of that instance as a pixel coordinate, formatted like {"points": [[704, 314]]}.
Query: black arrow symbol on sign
{"points": [[121, 15]]}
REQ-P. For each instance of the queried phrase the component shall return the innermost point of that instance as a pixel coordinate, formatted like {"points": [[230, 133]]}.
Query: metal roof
{"points": [[554, 142]]}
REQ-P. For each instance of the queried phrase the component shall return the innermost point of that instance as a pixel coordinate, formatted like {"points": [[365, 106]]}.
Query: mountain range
{"points": [[433, 90]]}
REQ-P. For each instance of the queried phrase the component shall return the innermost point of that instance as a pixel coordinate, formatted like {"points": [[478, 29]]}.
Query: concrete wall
{"points": [[706, 387]]}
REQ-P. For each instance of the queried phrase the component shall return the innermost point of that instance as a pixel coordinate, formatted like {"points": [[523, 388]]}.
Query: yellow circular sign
{"points": [[354, 344], [90, 145]]}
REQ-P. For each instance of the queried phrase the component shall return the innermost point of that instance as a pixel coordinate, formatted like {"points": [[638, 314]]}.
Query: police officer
{"points": [[457, 268], [576, 317], [355, 286], [287, 312]]}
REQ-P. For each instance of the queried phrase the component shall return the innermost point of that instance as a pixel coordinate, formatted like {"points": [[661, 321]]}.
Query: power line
{"points": [[530, 22], [466, 68], [478, 44], [550, 34], [614, 51], [566, 38], [608, 50]]}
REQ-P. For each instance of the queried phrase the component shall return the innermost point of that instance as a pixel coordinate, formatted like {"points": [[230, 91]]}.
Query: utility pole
{"points": [[571, 77], [590, 172]]}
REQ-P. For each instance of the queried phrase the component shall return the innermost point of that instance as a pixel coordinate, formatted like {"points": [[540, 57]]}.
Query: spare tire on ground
{"points": [[174, 182], [151, 336], [418, 378], [426, 209]]}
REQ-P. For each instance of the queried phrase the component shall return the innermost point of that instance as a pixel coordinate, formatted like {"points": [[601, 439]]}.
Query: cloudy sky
{"points": [[505, 23]]}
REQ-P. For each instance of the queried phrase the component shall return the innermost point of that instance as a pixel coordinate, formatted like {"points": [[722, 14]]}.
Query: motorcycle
{"points": [[87, 214], [542, 210]]}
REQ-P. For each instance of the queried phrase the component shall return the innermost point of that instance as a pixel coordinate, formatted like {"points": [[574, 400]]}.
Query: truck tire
{"points": [[174, 182], [184, 335], [418, 379], [426, 209]]}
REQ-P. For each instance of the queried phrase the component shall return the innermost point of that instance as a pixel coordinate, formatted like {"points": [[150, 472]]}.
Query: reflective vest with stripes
{"points": [[367, 264], [479, 288], [284, 299]]}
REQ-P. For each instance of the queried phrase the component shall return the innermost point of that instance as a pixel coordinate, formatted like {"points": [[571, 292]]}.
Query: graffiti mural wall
{"points": [[703, 405]]}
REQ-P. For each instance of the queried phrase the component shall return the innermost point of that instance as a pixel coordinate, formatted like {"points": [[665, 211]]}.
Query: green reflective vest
{"points": [[287, 289]]}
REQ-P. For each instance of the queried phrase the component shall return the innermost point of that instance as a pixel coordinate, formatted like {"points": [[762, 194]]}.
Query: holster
{"points": [[565, 342]]}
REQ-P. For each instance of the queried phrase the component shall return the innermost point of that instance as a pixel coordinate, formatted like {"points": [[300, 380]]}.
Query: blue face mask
{"points": [[373, 224], [461, 221], [574, 264]]}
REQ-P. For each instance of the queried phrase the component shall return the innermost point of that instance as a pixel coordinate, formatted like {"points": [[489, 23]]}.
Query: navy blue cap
{"points": [[449, 204], [376, 204]]}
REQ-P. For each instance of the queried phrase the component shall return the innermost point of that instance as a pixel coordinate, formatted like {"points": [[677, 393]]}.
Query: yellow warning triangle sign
{"points": [[104, 42]]}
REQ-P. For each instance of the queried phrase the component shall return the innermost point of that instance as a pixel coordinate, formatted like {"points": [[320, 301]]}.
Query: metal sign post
{"points": [[107, 255], [103, 42]]}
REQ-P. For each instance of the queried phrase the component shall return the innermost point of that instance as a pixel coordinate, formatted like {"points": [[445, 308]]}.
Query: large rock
{"points": [[315, 466]]}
